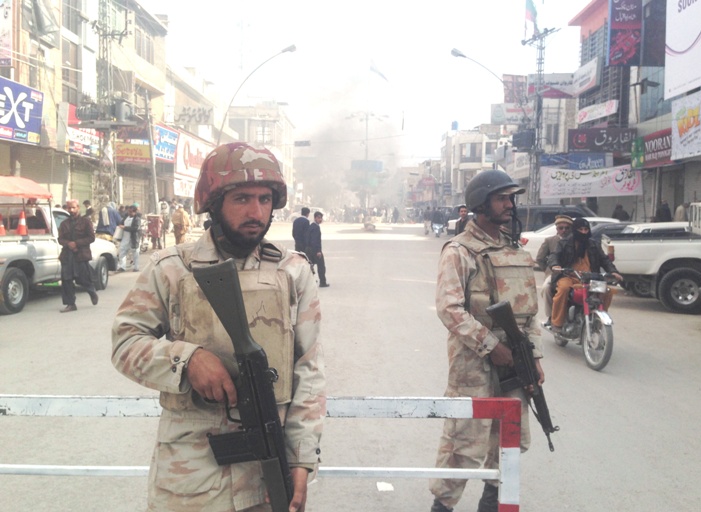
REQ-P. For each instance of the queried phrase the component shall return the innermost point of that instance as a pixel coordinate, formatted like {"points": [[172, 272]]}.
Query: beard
{"points": [[240, 244], [497, 219]]}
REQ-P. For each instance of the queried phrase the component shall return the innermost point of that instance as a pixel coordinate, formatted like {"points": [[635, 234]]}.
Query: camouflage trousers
{"points": [[473, 443]]}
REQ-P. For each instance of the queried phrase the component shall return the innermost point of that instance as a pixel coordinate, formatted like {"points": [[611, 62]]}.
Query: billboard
{"points": [[587, 77], [511, 113], [20, 112], [6, 33], [682, 72], [686, 126], [165, 141], [514, 88], [555, 85], [597, 111], [612, 181], [625, 32], [654, 150], [601, 140]]}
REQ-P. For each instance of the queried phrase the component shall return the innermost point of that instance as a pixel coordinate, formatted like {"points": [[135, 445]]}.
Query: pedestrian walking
{"points": [[313, 249], [300, 226], [131, 239], [75, 235], [181, 224]]}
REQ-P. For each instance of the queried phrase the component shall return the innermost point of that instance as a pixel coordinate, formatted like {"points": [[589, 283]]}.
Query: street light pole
{"points": [[457, 53], [526, 119], [290, 48]]}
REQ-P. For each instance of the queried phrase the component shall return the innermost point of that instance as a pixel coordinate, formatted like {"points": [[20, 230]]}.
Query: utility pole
{"points": [[538, 40], [104, 114]]}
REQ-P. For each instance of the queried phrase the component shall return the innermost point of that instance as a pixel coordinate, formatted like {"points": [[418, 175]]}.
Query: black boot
{"points": [[489, 502], [439, 507]]}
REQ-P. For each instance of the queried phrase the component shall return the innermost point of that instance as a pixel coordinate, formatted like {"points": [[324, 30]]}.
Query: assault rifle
{"points": [[526, 373], [261, 436]]}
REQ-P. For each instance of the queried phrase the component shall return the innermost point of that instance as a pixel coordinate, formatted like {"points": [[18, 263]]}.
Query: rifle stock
{"points": [[526, 372], [262, 436]]}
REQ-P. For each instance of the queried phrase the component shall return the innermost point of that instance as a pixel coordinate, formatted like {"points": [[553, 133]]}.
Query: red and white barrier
{"points": [[506, 410]]}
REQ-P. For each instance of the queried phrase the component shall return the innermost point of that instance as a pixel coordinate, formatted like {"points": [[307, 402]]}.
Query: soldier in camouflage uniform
{"points": [[166, 336], [478, 268]]}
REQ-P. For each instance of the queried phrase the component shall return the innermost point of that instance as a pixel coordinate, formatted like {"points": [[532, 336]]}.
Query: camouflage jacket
{"points": [[184, 474], [464, 290]]}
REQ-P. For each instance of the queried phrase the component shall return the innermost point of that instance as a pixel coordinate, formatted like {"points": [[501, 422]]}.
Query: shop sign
{"points": [[190, 155], [610, 182], [601, 140], [654, 150], [20, 112], [686, 126], [165, 142], [128, 153], [597, 111]]}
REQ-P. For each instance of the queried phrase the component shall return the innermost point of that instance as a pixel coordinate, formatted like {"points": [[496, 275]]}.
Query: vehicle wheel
{"points": [[15, 291], [599, 347], [680, 290], [102, 275], [641, 288], [560, 341]]}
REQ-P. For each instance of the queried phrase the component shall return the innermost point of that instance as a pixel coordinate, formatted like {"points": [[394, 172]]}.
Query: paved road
{"points": [[628, 439]]}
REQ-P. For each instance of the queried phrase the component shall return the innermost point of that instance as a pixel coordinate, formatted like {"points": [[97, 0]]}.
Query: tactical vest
{"points": [[270, 300], [503, 273]]}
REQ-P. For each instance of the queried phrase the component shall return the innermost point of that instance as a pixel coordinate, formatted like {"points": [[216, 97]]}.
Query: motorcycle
{"points": [[586, 321], [437, 228]]}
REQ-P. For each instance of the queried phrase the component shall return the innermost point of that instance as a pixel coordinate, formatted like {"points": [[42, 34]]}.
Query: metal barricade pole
{"points": [[506, 410]]}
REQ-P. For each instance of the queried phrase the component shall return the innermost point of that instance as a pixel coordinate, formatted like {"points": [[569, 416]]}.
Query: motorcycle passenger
{"points": [[478, 268], [579, 252]]}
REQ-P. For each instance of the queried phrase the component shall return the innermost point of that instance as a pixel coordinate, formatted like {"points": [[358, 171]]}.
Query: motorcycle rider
{"points": [[437, 219], [579, 252], [478, 268]]}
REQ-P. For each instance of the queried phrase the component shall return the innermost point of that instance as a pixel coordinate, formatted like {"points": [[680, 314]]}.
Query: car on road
{"points": [[532, 240], [660, 228], [536, 216], [29, 247]]}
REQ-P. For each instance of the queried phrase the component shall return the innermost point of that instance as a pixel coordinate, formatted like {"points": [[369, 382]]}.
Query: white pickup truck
{"points": [[31, 259], [665, 264]]}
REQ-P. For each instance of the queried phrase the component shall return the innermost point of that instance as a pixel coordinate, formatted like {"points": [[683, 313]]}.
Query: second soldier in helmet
{"points": [[478, 268]]}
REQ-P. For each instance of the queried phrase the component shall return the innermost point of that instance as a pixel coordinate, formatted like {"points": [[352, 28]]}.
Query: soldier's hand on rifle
{"points": [[209, 377], [541, 379], [501, 355]]}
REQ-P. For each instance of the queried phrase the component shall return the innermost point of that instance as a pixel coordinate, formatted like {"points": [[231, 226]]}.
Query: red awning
{"points": [[22, 187]]}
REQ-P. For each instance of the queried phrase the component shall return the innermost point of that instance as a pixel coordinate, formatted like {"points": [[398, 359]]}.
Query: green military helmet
{"points": [[488, 182]]}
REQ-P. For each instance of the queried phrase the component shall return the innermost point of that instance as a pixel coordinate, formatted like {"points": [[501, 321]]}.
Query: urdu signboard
{"points": [[601, 140], [608, 182]]}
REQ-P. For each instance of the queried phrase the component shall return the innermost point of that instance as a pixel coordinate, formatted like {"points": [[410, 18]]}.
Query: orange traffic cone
{"points": [[2, 227], [22, 226]]}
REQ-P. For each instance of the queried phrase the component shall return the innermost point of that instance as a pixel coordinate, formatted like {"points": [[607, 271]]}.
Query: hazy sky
{"points": [[328, 79]]}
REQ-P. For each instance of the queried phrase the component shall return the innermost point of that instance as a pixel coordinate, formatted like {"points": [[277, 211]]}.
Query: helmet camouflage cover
{"points": [[236, 164]]}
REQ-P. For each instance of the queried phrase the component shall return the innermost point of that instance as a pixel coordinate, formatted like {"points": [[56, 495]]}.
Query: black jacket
{"points": [[460, 225], [314, 237], [564, 257], [299, 231]]}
